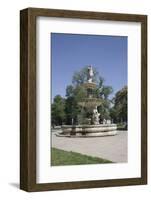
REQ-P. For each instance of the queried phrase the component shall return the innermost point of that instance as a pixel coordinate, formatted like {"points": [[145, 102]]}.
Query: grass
{"points": [[61, 157]]}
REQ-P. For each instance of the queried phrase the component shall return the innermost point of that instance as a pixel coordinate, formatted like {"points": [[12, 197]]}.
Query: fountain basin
{"points": [[88, 130]]}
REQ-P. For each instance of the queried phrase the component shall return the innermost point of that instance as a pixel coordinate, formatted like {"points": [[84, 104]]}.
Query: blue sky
{"points": [[71, 52]]}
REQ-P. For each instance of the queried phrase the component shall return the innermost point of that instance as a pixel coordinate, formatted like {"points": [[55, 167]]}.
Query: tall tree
{"points": [[119, 110], [74, 95], [58, 110]]}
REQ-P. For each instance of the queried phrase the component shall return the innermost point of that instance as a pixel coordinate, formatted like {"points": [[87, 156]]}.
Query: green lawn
{"points": [[61, 157]]}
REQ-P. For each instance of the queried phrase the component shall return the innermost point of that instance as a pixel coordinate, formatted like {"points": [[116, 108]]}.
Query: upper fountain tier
{"points": [[88, 85], [90, 102]]}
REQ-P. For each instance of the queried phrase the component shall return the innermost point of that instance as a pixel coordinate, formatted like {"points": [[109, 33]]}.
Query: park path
{"points": [[113, 148]]}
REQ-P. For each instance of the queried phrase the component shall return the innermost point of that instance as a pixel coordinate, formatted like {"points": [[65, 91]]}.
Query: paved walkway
{"points": [[113, 148]]}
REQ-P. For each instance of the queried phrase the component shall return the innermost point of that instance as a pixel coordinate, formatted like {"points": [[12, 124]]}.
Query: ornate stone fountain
{"points": [[90, 127]]}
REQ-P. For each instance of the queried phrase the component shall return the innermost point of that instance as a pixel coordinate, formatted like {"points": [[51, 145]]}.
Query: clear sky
{"points": [[71, 52]]}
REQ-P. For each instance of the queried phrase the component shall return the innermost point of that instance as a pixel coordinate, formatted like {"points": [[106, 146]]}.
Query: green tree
{"points": [[74, 95], [58, 110], [104, 109], [119, 110], [69, 91], [71, 110]]}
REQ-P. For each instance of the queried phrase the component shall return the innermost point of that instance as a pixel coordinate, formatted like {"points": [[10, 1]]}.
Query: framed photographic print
{"points": [[83, 99]]}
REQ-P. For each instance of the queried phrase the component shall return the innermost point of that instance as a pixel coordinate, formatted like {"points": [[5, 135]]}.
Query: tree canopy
{"points": [[58, 110], [119, 110]]}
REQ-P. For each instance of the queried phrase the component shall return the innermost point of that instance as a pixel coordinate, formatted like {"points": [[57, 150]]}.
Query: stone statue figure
{"points": [[95, 116], [90, 74], [104, 121]]}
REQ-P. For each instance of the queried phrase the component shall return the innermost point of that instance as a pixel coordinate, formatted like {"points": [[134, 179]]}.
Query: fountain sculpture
{"points": [[91, 125]]}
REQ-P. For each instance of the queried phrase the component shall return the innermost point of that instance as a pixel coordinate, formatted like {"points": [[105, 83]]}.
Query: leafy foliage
{"points": [[119, 110], [58, 110]]}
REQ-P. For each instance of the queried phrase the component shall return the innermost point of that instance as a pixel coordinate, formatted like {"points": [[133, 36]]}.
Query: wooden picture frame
{"points": [[28, 98]]}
